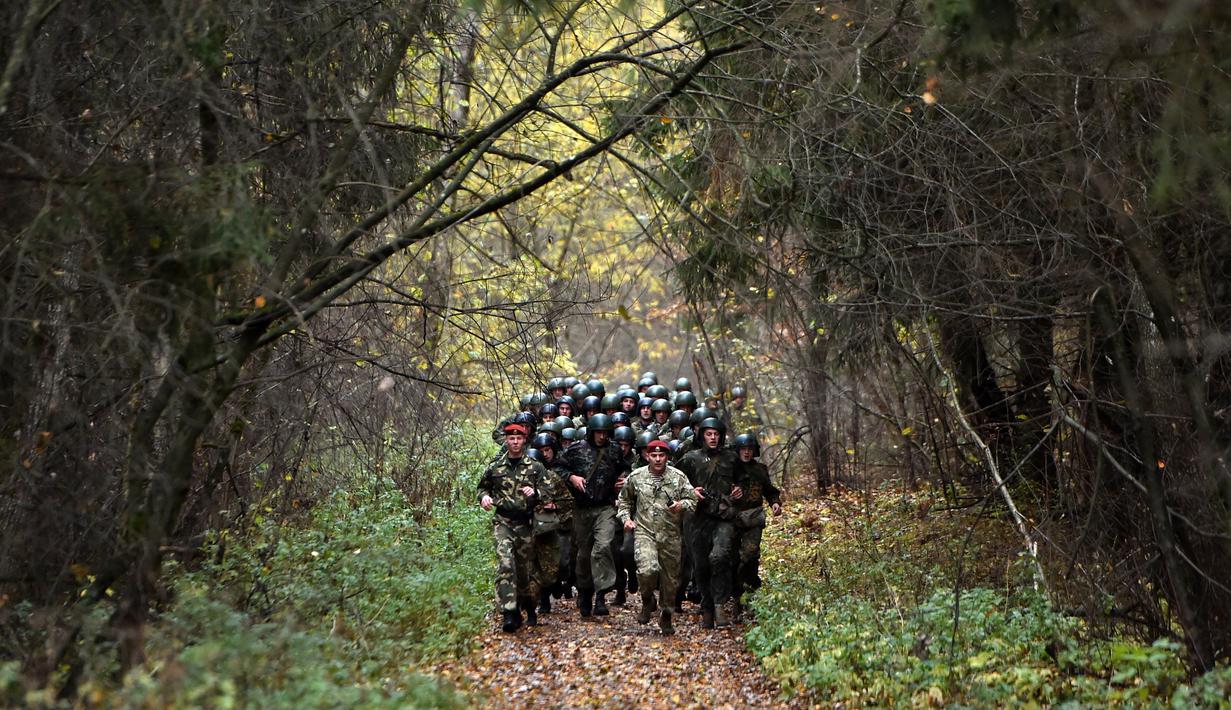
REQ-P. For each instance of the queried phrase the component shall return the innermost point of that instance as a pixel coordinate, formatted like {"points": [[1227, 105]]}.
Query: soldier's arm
{"points": [[625, 502], [686, 495], [485, 485], [769, 490]]}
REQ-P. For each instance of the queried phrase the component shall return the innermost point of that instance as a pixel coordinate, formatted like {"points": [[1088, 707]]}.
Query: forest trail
{"points": [[567, 661]]}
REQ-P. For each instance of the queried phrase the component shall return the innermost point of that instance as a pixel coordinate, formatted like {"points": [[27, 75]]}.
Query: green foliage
{"points": [[840, 636]]}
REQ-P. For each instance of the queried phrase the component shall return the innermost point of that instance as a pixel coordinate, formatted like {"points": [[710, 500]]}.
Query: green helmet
{"points": [[599, 422], [569, 382], [551, 427], [658, 392], [538, 399], [660, 405], [579, 392], [609, 401], [555, 383], [623, 434], [643, 440], [686, 399], [683, 384], [738, 391], [650, 375], [564, 421], [596, 387], [646, 383], [678, 418], [524, 401], [713, 423]]}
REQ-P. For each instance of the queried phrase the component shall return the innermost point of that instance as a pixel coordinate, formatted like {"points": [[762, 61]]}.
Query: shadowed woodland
{"points": [[273, 270]]}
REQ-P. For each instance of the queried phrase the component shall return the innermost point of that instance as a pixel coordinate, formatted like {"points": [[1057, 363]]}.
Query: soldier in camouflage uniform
{"points": [[651, 506], [593, 467], [711, 469], [510, 487], [753, 479], [553, 521]]}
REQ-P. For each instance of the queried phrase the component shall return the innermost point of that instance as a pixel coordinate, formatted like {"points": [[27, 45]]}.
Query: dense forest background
{"points": [[270, 264]]}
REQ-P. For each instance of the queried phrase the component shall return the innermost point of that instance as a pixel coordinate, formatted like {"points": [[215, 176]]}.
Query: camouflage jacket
{"points": [[600, 467], [640, 426], [555, 489], [713, 470], [753, 478], [645, 499], [503, 481]]}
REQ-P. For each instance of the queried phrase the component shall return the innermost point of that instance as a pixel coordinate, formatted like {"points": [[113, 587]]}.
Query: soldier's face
{"points": [[711, 438], [745, 454], [646, 412], [600, 438], [657, 459], [566, 409], [516, 443], [625, 447], [661, 417], [628, 405]]}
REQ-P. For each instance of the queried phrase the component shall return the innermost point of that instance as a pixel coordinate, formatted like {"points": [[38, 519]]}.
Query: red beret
{"points": [[657, 445], [515, 429]]}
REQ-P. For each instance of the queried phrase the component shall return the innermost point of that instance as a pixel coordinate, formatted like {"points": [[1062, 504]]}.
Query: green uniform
{"points": [[712, 532], [753, 477], [513, 524], [545, 568], [658, 534]]}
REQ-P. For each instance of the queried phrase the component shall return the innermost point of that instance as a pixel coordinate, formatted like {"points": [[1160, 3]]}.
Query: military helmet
{"points": [[686, 399], [548, 411], [566, 399], [554, 383], [678, 418], [596, 387], [609, 401], [627, 393], [599, 422], [591, 404], [581, 434], [712, 423], [643, 440], [645, 383], [623, 433], [700, 415], [564, 421], [546, 441], [579, 392], [620, 419], [569, 381], [538, 398], [526, 419], [658, 392], [645, 402], [738, 391], [650, 375], [569, 434], [682, 385], [745, 441], [673, 445], [550, 428], [660, 405], [524, 401], [535, 455], [686, 433]]}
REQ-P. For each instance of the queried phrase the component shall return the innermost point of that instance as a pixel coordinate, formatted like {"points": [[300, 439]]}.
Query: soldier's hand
{"points": [[486, 503], [675, 507], [620, 483], [549, 505], [700, 492], [776, 508], [630, 525], [577, 482], [736, 492], [527, 491]]}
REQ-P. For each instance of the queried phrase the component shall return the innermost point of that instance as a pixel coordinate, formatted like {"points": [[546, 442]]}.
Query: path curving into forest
{"points": [[567, 661]]}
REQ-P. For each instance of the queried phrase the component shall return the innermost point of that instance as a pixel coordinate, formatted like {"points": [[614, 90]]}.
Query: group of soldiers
{"points": [[635, 491]]}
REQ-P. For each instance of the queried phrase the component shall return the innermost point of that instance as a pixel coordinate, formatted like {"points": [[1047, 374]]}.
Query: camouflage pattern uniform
{"points": [[549, 546], [753, 477], [712, 537], [658, 532], [622, 544], [513, 524]]}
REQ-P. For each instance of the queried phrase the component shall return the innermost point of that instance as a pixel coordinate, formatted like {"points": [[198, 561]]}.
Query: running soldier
{"points": [[594, 466], [711, 469], [651, 507], [753, 479]]}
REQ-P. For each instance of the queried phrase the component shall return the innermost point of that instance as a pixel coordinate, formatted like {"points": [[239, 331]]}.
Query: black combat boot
{"points": [[721, 619], [664, 621], [527, 605], [620, 597], [545, 601], [512, 621], [648, 607], [707, 618], [585, 601], [600, 604]]}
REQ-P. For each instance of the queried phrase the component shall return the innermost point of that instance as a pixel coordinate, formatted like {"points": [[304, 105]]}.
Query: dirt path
{"points": [[609, 662]]}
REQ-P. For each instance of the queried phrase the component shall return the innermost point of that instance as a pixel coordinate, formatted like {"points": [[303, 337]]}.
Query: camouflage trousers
{"points": [[514, 556], [593, 531], [748, 559], [658, 562], [713, 545], [545, 566]]}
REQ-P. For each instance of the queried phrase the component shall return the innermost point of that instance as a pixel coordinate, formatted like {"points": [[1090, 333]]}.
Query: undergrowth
{"points": [[335, 609], [859, 607]]}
